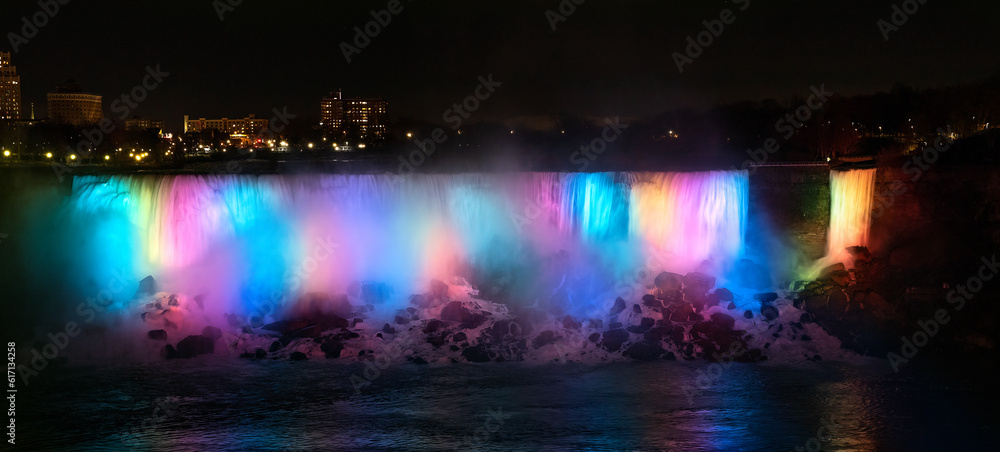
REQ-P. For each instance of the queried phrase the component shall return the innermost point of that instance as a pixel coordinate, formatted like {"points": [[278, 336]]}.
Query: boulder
{"points": [[836, 274], [275, 346], [651, 301], [838, 302], [476, 354], [618, 307], [455, 312], [723, 321], [594, 337], [636, 309], [474, 321], [570, 323], [168, 352], [298, 356], [595, 324], [765, 298], [195, 345], [724, 294], [657, 333], [668, 282], [401, 320], [544, 338], [644, 351], [459, 337], [436, 340], [612, 340], [432, 326], [211, 332], [157, 335], [332, 348], [148, 286], [697, 284], [645, 324], [499, 329], [259, 353], [439, 290], [388, 329], [817, 304], [769, 312], [748, 314]]}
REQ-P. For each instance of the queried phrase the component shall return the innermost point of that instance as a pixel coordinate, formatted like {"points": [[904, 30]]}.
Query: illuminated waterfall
{"points": [[243, 238], [851, 196]]}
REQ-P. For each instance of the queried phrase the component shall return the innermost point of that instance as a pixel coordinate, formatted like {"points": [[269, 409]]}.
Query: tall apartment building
{"points": [[362, 119], [70, 105], [10, 89]]}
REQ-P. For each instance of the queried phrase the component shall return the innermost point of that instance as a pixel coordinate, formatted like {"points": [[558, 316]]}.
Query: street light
{"points": [[6, 153]]}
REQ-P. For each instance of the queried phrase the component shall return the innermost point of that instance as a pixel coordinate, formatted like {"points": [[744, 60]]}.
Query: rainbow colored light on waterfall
{"points": [[243, 239]]}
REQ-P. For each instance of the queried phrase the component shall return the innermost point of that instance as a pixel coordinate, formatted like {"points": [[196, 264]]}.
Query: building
{"points": [[249, 126], [136, 123], [70, 105], [359, 119], [10, 89]]}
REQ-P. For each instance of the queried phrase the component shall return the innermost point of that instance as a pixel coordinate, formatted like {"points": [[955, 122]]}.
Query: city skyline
{"points": [[597, 60]]}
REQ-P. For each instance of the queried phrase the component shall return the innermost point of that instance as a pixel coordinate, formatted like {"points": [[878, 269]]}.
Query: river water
{"points": [[224, 403]]}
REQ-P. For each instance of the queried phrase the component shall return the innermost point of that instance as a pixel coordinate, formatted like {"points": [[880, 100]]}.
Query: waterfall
{"points": [[851, 196], [243, 238]]}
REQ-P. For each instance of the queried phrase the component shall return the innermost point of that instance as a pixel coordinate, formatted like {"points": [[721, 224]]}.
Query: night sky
{"points": [[607, 58]]}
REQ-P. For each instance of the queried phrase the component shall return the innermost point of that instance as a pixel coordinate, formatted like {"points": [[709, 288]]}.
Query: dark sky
{"points": [[607, 58]]}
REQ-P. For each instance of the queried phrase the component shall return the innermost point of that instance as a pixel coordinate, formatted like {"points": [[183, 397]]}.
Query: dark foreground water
{"points": [[215, 403]]}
